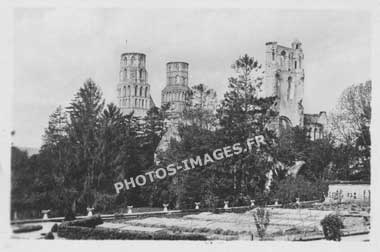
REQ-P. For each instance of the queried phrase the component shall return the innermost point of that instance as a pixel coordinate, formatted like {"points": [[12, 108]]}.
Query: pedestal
{"points": [[89, 210], [129, 209], [197, 205], [226, 205], [252, 203], [45, 214], [165, 207]]}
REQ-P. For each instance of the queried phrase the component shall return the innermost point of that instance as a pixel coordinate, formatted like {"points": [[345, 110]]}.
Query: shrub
{"points": [[54, 228], [291, 188], [261, 216], [331, 226], [70, 215], [29, 228], [49, 236]]}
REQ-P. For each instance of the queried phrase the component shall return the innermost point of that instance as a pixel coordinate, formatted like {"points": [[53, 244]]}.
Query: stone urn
{"points": [[89, 211], [226, 205], [165, 207], [45, 214], [252, 203], [129, 209], [276, 202], [197, 205], [298, 203]]}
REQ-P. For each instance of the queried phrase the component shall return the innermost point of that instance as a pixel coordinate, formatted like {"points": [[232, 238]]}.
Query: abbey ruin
{"points": [[284, 78]]}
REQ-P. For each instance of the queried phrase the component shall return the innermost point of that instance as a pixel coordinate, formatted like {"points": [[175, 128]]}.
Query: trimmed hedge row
{"points": [[99, 233], [92, 221], [29, 228]]}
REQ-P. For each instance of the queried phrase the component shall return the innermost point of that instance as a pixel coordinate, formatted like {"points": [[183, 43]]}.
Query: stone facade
{"points": [[133, 90], [285, 78], [177, 86], [175, 93]]}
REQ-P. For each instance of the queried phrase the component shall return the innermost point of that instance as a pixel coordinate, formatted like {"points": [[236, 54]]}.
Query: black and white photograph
{"points": [[191, 124]]}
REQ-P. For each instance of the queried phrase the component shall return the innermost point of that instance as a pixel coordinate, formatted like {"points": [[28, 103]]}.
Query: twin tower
{"points": [[133, 89]]}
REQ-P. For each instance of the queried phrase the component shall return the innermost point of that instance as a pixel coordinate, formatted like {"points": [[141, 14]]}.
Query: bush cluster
{"points": [[332, 226]]}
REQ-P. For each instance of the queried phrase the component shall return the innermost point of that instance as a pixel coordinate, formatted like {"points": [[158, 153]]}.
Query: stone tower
{"points": [[284, 78], [177, 86], [133, 90]]}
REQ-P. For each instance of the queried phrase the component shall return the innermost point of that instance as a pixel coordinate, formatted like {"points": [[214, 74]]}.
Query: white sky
{"points": [[56, 50]]}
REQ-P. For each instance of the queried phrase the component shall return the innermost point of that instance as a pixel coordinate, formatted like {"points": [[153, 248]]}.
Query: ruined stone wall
{"points": [[284, 78]]}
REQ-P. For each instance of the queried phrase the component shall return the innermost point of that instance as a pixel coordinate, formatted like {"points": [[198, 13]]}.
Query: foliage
{"points": [[332, 225], [291, 188], [49, 236], [261, 217]]}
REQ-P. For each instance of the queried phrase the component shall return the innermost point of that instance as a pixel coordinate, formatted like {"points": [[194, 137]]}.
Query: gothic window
{"points": [[300, 62], [133, 60], [283, 57], [315, 133], [141, 74], [177, 79], [141, 91], [135, 90], [146, 91], [290, 91], [295, 64], [273, 55], [142, 103], [297, 46], [129, 90], [124, 91]]}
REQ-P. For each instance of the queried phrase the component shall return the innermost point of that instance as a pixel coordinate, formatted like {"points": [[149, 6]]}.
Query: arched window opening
{"points": [[141, 91], [146, 92], [315, 133], [289, 95], [300, 62], [129, 90], [124, 91], [142, 103], [295, 64], [135, 90], [273, 55], [135, 102], [283, 57]]}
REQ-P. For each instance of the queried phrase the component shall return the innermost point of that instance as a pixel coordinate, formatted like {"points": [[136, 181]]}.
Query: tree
{"points": [[350, 125], [243, 114], [84, 111], [201, 107], [352, 112]]}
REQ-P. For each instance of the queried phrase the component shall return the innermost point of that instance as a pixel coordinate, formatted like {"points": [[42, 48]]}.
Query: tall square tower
{"points": [[284, 78]]}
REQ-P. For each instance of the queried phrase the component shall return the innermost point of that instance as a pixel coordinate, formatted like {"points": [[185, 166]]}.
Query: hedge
{"points": [[92, 221], [100, 233], [29, 228]]}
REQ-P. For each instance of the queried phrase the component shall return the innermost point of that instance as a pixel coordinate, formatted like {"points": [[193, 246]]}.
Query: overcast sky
{"points": [[56, 50]]}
